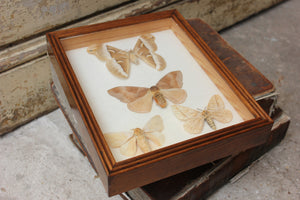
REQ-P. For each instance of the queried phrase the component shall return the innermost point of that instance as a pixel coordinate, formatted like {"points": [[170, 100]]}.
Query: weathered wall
{"points": [[24, 68], [25, 94], [23, 18], [221, 13]]}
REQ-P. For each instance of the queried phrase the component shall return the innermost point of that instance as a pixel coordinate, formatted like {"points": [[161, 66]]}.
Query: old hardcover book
{"points": [[202, 181]]}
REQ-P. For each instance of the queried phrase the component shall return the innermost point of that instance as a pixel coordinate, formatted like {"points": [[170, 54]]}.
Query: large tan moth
{"points": [[118, 61], [144, 139], [194, 119], [139, 99]]}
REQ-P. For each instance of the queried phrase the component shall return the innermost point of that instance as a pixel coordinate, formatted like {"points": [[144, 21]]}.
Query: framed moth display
{"points": [[148, 99]]}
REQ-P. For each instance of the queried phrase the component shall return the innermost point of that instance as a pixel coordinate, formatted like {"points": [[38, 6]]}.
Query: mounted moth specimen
{"points": [[145, 139], [145, 49], [118, 61], [194, 119], [139, 99]]}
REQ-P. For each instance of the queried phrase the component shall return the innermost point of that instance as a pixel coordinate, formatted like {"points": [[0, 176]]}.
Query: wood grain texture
{"points": [[245, 72], [143, 169]]}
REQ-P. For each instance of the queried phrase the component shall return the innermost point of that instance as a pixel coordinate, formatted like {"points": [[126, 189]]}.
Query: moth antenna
{"points": [[92, 49], [148, 36], [199, 109]]}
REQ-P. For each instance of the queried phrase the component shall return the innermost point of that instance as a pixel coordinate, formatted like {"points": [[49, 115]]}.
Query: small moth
{"points": [[118, 61], [145, 49], [129, 142], [194, 119], [139, 99]]}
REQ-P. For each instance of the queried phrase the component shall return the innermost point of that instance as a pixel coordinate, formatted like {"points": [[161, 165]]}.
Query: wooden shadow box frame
{"points": [[118, 177]]}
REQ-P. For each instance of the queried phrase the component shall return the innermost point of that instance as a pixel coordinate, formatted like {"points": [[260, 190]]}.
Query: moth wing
{"points": [[184, 113], [175, 95], [118, 61], [171, 80], [127, 94], [194, 125], [160, 63], [144, 52], [217, 111], [156, 137], [154, 124], [222, 115], [215, 103], [118, 69], [145, 49], [149, 42], [99, 51], [115, 140], [133, 57], [143, 143], [129, 148], [142, 104]]}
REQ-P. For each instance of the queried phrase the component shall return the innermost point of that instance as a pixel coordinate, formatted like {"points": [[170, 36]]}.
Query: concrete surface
{"points": [[37, 161], [270, 41]]}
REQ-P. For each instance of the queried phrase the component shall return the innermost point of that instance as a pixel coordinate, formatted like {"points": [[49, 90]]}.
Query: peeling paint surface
{"points": [[25, 94], [221, 13], [22, 18]]}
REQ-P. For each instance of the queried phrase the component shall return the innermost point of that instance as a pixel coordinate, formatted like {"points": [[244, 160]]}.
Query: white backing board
{"points": [[113, 115]]}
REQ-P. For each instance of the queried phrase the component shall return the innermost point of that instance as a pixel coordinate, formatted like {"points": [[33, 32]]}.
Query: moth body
{"points": [[142, 141], [208, 119], [158, 96]]}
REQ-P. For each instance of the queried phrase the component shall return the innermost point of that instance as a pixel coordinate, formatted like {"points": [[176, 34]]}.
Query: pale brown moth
{"points": [[194, 119], [144, 139], [140, 99], [118, 61], [145, 49]]}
